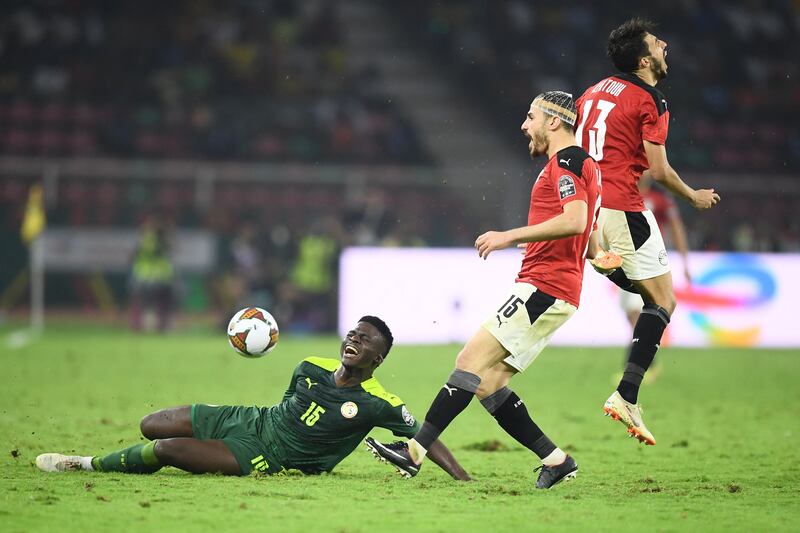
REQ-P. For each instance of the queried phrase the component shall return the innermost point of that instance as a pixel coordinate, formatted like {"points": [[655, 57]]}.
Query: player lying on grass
{"points": [[329, 407]]}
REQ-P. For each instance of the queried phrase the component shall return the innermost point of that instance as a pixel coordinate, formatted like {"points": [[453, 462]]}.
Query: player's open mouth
{"points": [[350, 350]]}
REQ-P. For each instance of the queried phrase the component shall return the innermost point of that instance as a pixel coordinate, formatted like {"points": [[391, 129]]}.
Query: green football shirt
{"points": [[318, 424]]}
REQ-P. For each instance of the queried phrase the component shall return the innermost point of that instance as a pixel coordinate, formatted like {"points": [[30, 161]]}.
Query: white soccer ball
{"points": [[253, 332]]}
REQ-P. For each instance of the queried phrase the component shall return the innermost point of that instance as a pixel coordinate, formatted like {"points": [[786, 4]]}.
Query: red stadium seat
{"points": [[18, 142], [52, 113], [21, 112], [50, 142], [82, 142]]}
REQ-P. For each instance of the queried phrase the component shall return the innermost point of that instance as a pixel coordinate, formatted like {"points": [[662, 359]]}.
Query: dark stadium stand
{"points": [[218, 80], [734, 80], [224, 114], [733, 88]]}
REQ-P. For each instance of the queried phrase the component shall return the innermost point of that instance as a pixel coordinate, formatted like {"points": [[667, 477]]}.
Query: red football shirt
{"points": [[556, 267], [615, 116]]}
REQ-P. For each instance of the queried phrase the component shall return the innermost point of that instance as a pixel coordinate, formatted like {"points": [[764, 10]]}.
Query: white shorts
{"points": [[525, 323], [635, 237]]}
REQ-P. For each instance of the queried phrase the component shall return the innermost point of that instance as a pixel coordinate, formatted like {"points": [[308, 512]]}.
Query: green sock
{"points": [[138, 459]]}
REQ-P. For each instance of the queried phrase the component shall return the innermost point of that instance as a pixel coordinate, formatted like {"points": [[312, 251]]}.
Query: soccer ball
{"points": [[253, 332]]}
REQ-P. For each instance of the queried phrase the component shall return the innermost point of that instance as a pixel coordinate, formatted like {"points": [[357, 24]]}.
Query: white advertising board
{"points": [[111, 250], [434, 296]]}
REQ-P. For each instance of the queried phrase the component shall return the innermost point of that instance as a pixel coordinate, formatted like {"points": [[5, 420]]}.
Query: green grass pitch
{"points": [[727, 423]]}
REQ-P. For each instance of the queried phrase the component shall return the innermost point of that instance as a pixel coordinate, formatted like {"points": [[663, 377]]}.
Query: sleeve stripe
{"points": [[376, 389], [323, 362]]}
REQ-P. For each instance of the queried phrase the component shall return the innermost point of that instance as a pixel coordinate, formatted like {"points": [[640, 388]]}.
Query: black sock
{"points": [[646, 337], [453, 398], [512, 415], [619, 279]]}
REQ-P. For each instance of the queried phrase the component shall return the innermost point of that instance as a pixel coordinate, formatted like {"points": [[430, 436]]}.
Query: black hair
{"points": [[382, 328], [626, 44]]}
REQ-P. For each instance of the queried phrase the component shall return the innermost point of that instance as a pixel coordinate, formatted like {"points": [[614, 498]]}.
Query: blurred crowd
{"points": [[215, 79], [270, 80], [290, 266], [734, 79], [733, 89], [277, 245]]}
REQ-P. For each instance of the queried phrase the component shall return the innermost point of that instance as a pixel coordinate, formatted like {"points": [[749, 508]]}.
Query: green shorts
{"points": [[239, 429]]}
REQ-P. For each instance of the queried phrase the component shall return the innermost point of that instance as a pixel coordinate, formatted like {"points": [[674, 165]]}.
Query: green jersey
{"points": [[318, 424]]}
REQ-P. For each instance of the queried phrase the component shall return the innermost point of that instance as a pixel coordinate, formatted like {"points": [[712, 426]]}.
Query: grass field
{"points": [[727, 423]]}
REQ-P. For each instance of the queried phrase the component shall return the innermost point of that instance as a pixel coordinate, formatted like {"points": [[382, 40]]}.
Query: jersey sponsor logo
{"points": [[349, 409], [311, 383], [565, 161], [408, 418], [566, 186]]}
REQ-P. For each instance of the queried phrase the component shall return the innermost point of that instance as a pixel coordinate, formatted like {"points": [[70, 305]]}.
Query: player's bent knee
{"points": [[148, 426], [467, 361], [462, 359], [167, 423]]}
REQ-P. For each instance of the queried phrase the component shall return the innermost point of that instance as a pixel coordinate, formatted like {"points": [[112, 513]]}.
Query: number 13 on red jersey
{"points": [[597, 132]]}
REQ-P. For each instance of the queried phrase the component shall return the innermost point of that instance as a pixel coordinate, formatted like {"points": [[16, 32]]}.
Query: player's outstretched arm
{"points": [[439, 454], [572, 221], [662, 172]]}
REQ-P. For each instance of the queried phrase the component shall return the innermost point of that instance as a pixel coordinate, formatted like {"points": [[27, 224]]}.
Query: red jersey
{"points": [[615, 116], [556, 267]]}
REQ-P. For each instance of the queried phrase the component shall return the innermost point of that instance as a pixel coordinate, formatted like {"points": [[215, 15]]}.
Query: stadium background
{"points": [[284, 144], [286, 132]]}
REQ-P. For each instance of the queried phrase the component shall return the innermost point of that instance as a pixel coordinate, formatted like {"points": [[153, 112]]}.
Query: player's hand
{"points": [[491, 241], [705, 199]]}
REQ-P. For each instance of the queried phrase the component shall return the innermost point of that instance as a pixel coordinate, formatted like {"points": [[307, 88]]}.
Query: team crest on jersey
{"points": [[566, 186], [408, 418], [349, 409]]}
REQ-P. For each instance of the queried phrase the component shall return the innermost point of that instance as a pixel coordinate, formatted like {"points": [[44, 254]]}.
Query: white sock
{"points": [[418, 453], [86, 463], [555, 458]]}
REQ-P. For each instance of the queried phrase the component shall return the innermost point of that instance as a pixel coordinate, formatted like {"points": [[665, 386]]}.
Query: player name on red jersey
{"points": [[610, 86]]}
